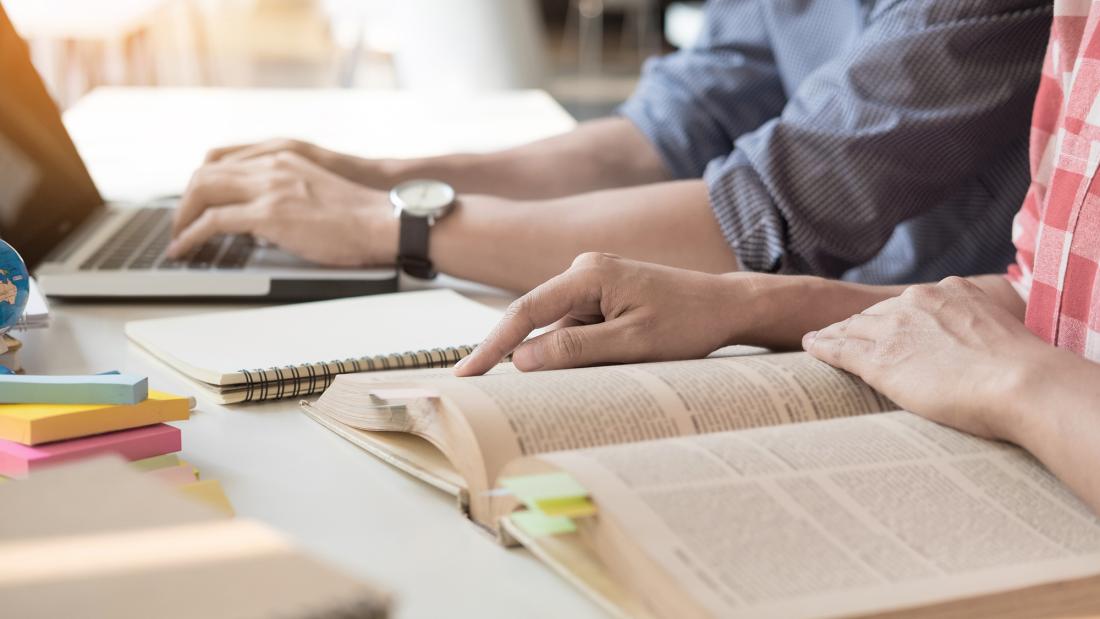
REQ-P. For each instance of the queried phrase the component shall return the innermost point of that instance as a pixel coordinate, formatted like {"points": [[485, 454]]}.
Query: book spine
{"points": [[294, 381]]}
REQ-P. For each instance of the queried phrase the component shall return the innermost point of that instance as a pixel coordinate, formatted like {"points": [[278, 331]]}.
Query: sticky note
{"points": [[544, 486], [573, 507], [536, 524], [156, 462], [18, 460], [33, 424], [554, 494], [98, 389], [209, 492]]}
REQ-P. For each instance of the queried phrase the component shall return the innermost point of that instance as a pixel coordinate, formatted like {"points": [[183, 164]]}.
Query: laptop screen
{"points": [[45, 190]]}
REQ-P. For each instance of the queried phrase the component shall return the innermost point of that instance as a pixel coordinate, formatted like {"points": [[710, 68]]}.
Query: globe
{"points": [[14, 287]]}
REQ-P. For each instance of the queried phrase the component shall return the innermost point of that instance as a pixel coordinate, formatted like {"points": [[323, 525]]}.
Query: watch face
{"points": [[423, 198]]}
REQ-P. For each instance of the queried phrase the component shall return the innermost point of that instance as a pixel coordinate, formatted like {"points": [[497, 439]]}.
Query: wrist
{"points": [[748, 297], [1024, 408], [378, 231]]}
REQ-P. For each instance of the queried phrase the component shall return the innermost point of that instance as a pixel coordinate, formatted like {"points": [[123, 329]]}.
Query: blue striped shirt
{"points": [[881, 142]]}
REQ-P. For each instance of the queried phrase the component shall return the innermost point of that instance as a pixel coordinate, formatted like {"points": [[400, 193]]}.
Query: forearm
{"points": [[775, 311], [1054, 413], [520, 245], [596, 155]]}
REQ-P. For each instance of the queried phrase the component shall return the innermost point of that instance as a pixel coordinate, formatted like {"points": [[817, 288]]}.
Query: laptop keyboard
{"points": [[140, 245]]}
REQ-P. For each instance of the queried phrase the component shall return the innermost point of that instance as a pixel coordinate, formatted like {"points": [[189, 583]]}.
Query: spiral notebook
{"points": [[292, 351]]}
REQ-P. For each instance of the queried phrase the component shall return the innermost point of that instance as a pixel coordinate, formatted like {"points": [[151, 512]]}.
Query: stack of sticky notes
{"points": [[46, 420]]}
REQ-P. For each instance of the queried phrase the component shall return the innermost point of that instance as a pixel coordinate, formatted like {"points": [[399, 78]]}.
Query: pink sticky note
{"points": [[18, 460]]}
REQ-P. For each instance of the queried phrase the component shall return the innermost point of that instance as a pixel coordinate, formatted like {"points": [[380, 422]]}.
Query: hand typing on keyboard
{"points": [[290, 202]]}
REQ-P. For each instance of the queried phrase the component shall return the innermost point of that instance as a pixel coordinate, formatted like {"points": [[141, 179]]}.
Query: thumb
{"points": [[572, 347]]}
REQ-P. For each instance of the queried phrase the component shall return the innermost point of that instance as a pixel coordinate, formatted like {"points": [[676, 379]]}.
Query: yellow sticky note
{"points": [[192, 467], [553, 494], [209, 492], [573, 507], [537, 524]]}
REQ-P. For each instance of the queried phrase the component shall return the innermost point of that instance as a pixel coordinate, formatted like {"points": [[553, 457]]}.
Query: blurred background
{"points": [[586, 53]]}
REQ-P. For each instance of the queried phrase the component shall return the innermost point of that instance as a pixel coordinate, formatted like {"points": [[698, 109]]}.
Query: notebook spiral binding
{"points": [[292, 381]]}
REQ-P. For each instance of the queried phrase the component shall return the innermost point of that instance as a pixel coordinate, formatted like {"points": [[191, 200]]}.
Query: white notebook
{"points": [[296, 350]]}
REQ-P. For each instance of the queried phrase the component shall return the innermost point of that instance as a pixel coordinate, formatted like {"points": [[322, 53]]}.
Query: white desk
{"points": [[141, 142], [275, 464]]}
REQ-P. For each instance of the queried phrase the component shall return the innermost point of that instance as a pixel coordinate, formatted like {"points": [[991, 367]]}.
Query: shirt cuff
{"points": [[657, 130], [746, 214]]}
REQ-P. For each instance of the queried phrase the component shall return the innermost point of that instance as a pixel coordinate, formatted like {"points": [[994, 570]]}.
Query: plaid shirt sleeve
{"points": [[1057, 230]]}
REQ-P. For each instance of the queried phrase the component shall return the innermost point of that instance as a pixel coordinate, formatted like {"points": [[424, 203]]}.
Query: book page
{"points": [[843, 517], [518, 415], [483, 423]]}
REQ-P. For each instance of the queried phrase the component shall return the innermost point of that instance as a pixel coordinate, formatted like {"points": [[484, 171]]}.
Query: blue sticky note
{"points": [[98, 389]]}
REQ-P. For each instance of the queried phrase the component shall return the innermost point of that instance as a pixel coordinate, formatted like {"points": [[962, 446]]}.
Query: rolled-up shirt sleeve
{"points": [[930, 94], [693, 103]]}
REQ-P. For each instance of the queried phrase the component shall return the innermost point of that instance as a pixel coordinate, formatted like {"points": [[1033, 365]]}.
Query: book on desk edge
{"points": [[296, 350], [763, 485]]}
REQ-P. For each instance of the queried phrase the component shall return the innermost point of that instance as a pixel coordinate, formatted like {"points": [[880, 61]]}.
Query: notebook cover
{"points": [[264, 345], [33, 424], [18, 460]]}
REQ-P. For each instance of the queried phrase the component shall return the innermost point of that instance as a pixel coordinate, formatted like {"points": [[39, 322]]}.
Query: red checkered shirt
{"points": [[1057, 231]]}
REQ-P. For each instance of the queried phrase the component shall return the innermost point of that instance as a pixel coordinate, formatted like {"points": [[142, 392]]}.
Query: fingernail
{"points": [[808, 339], [462, 361], [528, 358]]}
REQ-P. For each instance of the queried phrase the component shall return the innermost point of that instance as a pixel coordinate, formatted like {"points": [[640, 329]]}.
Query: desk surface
{"points": [[278, 466]]}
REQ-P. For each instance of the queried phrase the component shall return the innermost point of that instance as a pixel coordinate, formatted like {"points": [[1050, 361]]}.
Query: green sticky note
{"points": [[536, 524], [96, 389], [535, 488], [156, 462]]}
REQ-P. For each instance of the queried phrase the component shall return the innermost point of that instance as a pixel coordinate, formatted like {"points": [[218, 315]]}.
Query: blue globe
{"points": [[14, 287]]}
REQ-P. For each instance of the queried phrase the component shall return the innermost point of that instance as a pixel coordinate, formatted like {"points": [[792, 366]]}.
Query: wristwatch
{"points": [[419, 204]]}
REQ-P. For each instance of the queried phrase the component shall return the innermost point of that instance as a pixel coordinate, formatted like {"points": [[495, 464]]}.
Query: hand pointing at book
{"points": [[609, 309]]}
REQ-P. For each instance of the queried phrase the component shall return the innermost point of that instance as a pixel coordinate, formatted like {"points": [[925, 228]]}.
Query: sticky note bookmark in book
{"points": [[536, 524], [552, 494], [97, 389]]}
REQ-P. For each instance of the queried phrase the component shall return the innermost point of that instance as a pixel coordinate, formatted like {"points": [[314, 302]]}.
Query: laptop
{"points": [[79, 246]]}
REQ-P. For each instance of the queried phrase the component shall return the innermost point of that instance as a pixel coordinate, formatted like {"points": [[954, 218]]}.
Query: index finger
{"points": [[542, 306]]}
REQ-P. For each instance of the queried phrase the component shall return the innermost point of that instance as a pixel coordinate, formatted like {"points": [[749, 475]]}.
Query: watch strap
{"points": [[412, 247]]}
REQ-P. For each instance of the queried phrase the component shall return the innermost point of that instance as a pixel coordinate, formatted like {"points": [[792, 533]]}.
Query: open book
{"points": [[739, 486]]}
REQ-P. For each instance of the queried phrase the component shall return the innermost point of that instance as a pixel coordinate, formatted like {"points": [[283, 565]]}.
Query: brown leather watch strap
{"points": [[412, 247]]}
